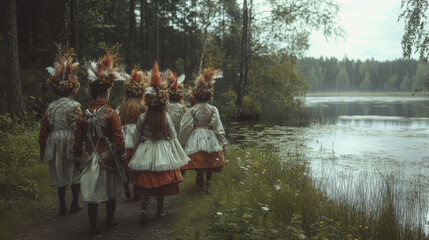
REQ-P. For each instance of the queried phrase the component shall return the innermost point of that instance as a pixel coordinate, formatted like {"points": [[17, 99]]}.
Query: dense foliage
{"points": [[183, 35], [331, 74]]}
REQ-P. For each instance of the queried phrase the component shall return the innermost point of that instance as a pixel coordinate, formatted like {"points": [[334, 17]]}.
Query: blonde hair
{"points": [[131, 108]]}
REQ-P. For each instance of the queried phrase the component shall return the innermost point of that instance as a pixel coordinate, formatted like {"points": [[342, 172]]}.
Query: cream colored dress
{"points": [[61, 116], [202, 130], [176, 111], [157, 156]]}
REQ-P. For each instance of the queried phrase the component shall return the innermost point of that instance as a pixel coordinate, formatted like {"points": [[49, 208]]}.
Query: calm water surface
{"points": [[352, 137]]}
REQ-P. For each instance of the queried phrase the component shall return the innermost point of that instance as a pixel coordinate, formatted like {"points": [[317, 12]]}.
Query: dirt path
{"points": [[76, 226]]}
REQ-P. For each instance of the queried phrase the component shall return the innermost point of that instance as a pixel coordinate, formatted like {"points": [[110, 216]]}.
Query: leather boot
{"points": [[110, 212], [143, 213], [209, 175], [75, 192], [92, 213], [160, 209], [200, 180], [62, 200]]}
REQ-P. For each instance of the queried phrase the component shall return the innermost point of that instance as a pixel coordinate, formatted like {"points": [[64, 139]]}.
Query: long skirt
{"points": [[205, 161], [156, 183], [63, 172], [98, 184]]}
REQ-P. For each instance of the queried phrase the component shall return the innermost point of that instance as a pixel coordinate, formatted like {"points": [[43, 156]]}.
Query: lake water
{"points": [[353, 138]]}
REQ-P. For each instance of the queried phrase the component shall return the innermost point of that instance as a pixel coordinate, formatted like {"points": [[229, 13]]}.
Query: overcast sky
{"points": [[372, 31]]}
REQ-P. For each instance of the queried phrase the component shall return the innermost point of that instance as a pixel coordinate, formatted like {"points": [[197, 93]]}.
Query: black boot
{"points": [[127, 190], [75, 192], [209, 175], [110, 212], [143, 213], [200, 180], [160, 209], [92, 213], [62, 200]]}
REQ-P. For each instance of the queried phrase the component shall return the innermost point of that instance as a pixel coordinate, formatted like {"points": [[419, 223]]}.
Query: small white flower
{"points": [[277, 187], [265, 209], [219, 213], [248, 153], [217, 159], [245, 168], [226, 160], [242, 183], [305, 174], [238, 158]]}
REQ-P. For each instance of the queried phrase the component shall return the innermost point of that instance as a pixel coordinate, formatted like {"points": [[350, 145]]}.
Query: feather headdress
{"points": [[105, 72], [136, 84], [157, 93], [176, 90], [62, 78], [204, 85]]}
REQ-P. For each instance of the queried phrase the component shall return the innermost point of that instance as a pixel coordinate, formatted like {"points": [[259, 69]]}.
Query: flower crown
{"points": [[204, 85], [176, 90], [105, 71], [62, 78], [136, 84], [157, 93]]}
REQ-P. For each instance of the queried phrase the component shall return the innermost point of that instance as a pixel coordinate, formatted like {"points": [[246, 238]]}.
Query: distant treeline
{"points": [[331, 74]]}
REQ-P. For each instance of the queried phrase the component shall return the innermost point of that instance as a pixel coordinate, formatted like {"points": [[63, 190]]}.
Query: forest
{"points": [[255, 43], [331, 74]]}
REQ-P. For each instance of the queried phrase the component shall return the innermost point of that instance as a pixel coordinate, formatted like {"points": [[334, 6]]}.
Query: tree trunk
{"points": [[142, 31], [132, 31], [156, 31], [13, 91], [73, 35], [243, 65], [146, 59]]}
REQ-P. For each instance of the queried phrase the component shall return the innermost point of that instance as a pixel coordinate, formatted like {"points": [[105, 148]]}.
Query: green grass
{"points": [[258, 196], [24, 186]]}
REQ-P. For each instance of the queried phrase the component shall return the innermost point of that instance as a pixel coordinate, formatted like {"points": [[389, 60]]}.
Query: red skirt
{"points": [[205, 161], [156, 183]]}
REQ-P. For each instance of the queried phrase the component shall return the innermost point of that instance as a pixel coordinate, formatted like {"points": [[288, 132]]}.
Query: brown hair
{"points": [[98, 87], [131, 108], [156, 120]]}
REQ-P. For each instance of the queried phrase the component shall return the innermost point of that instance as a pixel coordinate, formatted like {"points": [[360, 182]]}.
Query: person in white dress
{"points": [[129, 112], [158, 155], [99, 144], [202, 132], [57, 131]]}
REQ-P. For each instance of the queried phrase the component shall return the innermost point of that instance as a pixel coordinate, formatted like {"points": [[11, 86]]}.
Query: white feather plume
{"points": [[181, 79], [50, 70], [219, 74]]}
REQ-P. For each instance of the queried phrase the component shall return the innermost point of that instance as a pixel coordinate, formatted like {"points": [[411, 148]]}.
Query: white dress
{"points": [[202, 130], [176, 111], [61, 116], [156, 156]]}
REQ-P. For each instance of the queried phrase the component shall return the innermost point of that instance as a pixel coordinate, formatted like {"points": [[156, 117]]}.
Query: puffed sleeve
{"points": [[218, 127], [186, 127], [137, 132], [117, 136], [79, 138], [171, 129], [43, 136]]}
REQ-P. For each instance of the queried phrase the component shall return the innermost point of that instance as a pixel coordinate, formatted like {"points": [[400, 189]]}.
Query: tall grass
{"points": [[258, 196], [24, 187]]}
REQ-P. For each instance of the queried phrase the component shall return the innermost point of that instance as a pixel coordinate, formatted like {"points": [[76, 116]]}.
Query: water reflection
{"points": [[351, 137]]}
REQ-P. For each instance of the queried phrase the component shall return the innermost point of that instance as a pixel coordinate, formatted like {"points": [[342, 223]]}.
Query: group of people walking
{"points": [[148, 141]]}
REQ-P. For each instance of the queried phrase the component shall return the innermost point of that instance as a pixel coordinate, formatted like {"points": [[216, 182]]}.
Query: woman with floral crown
{"points": [[129, 112], [99, 144], [158, 155], [58, 127], [201, 131]]}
